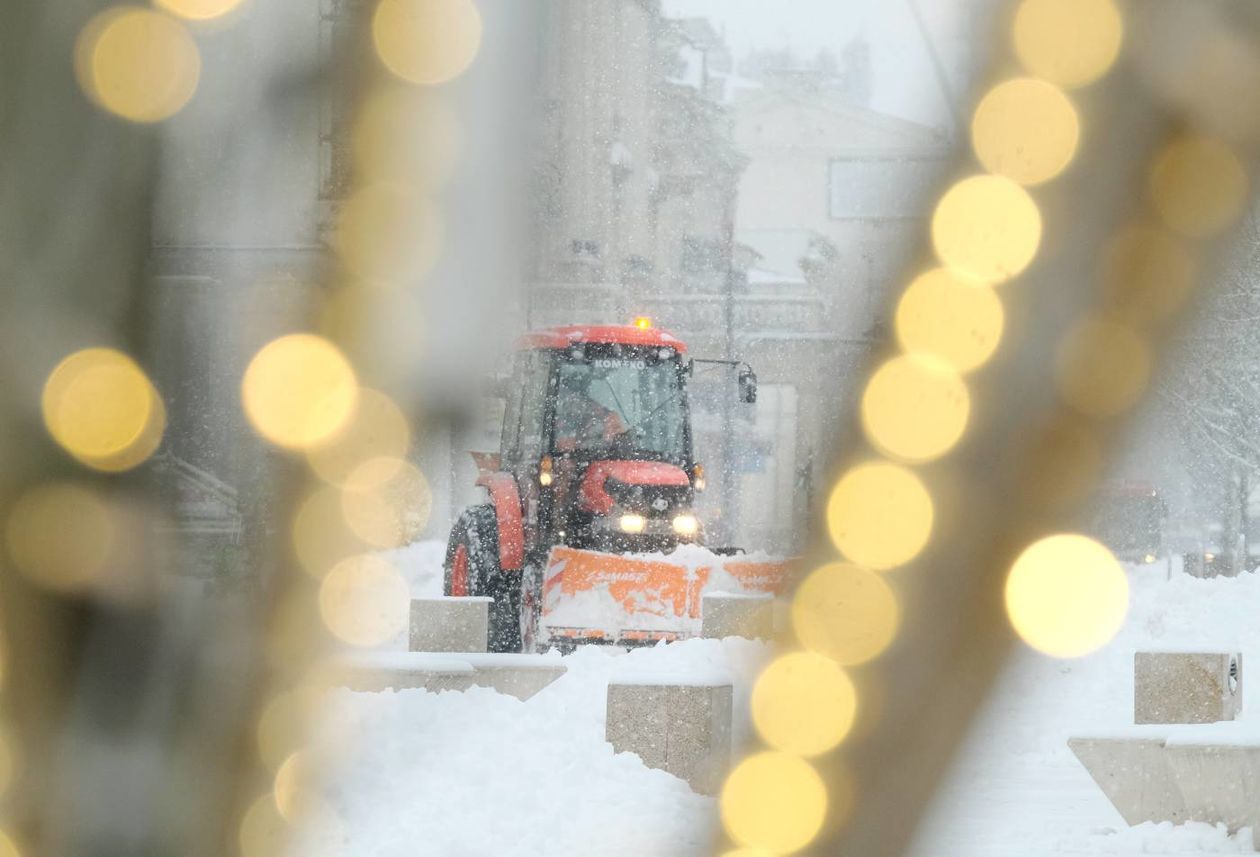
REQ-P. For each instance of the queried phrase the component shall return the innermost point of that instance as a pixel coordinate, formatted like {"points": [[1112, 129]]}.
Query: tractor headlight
{"points": [[686, 525], [632, 523]]}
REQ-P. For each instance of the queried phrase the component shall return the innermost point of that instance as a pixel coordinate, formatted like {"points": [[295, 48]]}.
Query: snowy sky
{"points": [[904, 82]]}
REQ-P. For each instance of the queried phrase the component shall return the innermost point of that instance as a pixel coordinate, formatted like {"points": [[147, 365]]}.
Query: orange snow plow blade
{"points": [[592, 596]]}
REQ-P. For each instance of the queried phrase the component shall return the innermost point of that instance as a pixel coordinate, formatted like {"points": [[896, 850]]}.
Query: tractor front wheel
{"points": [[472, 568]]}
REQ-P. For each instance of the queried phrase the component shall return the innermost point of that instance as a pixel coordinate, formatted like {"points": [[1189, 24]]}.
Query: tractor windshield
{"points": [[623, 406]]}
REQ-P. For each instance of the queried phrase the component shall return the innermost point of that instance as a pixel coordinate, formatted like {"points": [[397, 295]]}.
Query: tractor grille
{"points": [[651, 501]]}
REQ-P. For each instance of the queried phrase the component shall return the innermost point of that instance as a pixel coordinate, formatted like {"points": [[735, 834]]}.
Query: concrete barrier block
{"points": [[675, 726], [1219, 782], [1134, 773], [729, 614], [449, 624], [516, 675], [1186, 687]]}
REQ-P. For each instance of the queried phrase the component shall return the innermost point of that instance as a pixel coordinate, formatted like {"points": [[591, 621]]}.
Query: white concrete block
{"points": [[1219, 782], [729, 614], [1133, 772], [449, 624], [1186, 687], [516, 675], [681, 728]]}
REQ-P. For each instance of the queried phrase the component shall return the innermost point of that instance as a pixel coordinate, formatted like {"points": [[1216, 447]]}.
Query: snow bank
{"points": [[478, 773]]}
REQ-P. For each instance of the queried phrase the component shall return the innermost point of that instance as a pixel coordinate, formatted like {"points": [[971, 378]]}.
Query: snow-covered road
{"points": [[477, 773]]}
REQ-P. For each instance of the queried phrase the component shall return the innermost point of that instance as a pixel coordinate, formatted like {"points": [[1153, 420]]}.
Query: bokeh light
{"points": [[137, 63], [880, 515], [1062, 462], [949, 318], [386, 233], [804, 704], [426, 41], [1068, 42], [295, 788], [263, 832], [915, 407], [386, 502], [774, 801], [848, 613], [1198, 186], [1066, 595], [321, 534], [298, 390], [986, 228], [377, 428], [1147, 273], [1102, 367], [1025, 129], [405, 138], [102, 409], [283, 721], [61, 535], [7, 846], [199, 10], [364, 601]]}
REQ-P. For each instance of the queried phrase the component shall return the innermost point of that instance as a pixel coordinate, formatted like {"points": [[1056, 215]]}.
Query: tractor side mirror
{"points": [[747, 385]]}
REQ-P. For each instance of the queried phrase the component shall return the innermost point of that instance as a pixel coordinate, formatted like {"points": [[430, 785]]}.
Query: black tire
{"points": [[477, 532]]}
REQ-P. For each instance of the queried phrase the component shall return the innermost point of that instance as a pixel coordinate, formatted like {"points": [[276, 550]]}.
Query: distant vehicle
{"points": [[1130, 521]]}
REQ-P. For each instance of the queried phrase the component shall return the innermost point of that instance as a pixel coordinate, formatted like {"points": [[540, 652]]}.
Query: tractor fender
{"points": [[507, 509]]}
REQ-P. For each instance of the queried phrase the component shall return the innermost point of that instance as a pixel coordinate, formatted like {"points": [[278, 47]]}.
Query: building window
{"points": [[702, 255], [870, 187]]}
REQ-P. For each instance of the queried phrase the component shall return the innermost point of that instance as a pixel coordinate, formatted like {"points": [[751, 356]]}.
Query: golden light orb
{"points": [[295, 788], [405, 138], [264, 832], [137, 63], [880, 515], [774, 801], [1066, 595], [1025, 129], [426, 41], [321, 535], [915, 408], [1102, 367], [102, 409], [376, 428], [284, 721], [298, 390], [1068, 42], [949, 318], [986, 228], [386, 502], [199, 10], [387, 233], [364, 601], [848, 613], [803, 704], [1198, 186], [1147, 273], [61, 535]]}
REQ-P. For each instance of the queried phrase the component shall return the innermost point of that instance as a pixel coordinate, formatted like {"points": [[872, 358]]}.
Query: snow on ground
{"points": [[478, 773]]}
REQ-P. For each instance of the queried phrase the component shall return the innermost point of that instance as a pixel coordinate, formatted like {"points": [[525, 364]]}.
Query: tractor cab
{"points": [[597, 434], [595, 469]]}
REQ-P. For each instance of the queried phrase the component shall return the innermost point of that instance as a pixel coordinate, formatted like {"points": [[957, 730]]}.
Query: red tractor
{"points": [[589, 495]]}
